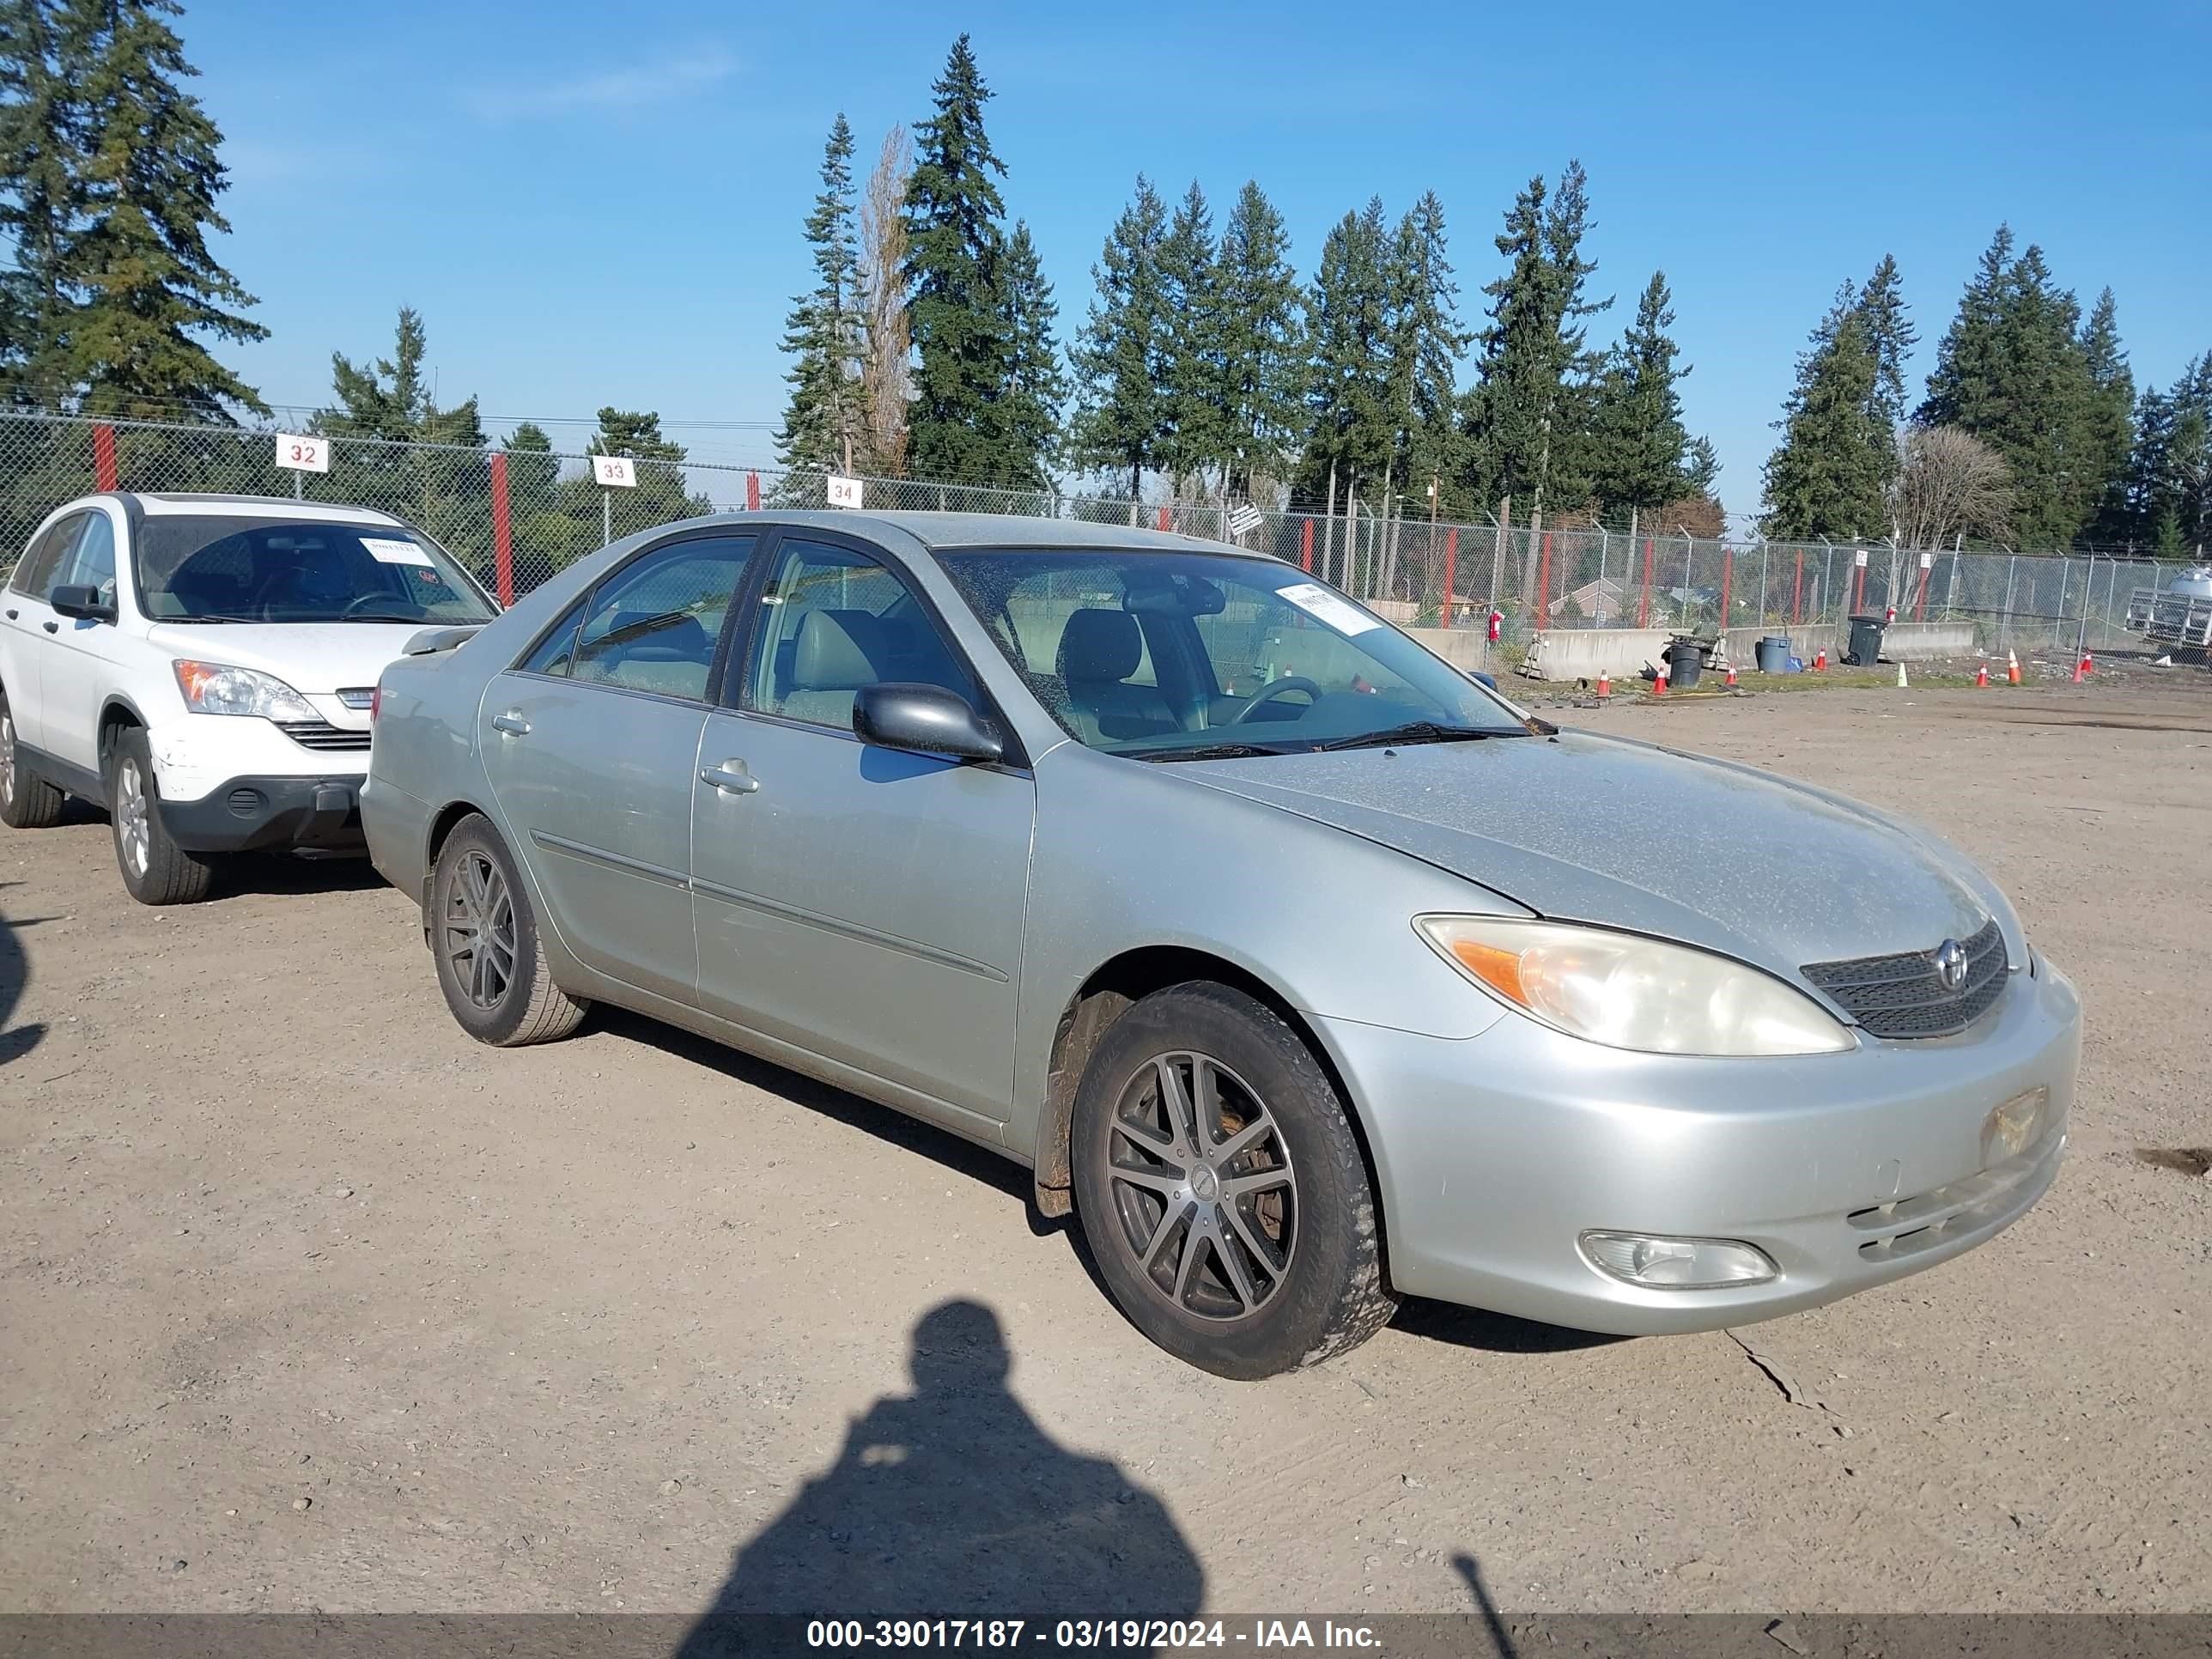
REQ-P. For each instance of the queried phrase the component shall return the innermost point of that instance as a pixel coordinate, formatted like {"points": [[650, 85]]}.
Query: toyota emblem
{"points": [[1951, 965]]}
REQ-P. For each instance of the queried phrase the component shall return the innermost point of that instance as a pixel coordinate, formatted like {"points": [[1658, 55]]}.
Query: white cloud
{"points": [[631, 87]]}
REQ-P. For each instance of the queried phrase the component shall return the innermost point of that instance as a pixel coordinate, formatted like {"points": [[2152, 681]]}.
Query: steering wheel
{"points": [[368, 599], [1275, 688]]}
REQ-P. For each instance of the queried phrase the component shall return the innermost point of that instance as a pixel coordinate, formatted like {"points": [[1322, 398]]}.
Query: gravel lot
{"points": [[309, 1301]]}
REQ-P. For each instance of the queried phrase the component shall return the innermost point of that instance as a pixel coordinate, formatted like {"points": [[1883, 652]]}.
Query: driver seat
{"points": [[1098, 651]]}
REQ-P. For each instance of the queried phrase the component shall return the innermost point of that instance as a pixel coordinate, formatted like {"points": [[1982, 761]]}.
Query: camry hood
{"points": [[316, 658], [1598, 829]]}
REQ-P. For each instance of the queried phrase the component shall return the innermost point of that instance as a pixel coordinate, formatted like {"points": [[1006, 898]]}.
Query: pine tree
{"points": [[1120, 418], [1643, 457], [2110, 426], [42, 195], [2013, 371], [1348, 391], [153, 288], [1891, 336], [388, 398], [1526, 414], [1028, 414], [2170, 471], [1825, 478], [824, 419], [954, 246], [1263, 343], [1191, 364], [1426, 342]]}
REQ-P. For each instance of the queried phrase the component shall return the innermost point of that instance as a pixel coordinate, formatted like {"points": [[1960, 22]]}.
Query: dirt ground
{"points": [[308, 1302]]}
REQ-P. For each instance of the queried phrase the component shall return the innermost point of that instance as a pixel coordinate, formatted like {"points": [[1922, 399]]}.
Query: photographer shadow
{"points": [[950, 1501]]}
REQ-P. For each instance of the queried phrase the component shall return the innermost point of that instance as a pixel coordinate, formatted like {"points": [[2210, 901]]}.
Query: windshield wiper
{"points": [[376, 617], [207, 619], [1411, 731], [1213, 751]]}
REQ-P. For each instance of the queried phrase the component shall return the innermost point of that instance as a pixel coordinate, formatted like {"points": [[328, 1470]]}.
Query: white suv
{"points": [[203, 667]]}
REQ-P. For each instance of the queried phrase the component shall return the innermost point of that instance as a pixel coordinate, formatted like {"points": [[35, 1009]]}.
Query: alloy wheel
{"points": [[6, 757], [1202, 1186], [133, 816], [479, 930]]}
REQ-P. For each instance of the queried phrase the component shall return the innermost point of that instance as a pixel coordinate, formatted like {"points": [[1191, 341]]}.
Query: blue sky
{"points": [[593, 203]]}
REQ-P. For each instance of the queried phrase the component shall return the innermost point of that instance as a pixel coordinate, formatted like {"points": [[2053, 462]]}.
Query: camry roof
{"points": [[946, 531]]}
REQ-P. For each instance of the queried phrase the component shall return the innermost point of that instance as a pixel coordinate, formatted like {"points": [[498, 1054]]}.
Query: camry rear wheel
{"points": [[491, 964], [1221, 1189]]}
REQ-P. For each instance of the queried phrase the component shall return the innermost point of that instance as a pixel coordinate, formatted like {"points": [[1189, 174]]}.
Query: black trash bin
{"points": [[1685, 658], [1865, 649]]}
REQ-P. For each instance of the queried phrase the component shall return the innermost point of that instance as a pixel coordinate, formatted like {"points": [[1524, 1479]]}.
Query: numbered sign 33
{"points": [[303, 452], [616, 471], [844, 492]]}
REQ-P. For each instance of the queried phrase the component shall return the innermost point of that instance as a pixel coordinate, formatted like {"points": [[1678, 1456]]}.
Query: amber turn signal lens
{"points": [[1500, 969]]}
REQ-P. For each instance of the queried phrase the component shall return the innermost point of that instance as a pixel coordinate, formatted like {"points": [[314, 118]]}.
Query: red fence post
{"points": [[1544, 585], [1727, 579], [1305, 548], [1451, 569], [103, 457], [752, 492], [1644, 605], [1163, 518], [1858, 581], [1920, 604], [1798, 589], [502, 532]]}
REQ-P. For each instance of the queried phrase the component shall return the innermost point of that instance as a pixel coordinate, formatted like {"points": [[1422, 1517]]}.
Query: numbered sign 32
{"points": [[303, 452], [844, 492], [616, 471]]}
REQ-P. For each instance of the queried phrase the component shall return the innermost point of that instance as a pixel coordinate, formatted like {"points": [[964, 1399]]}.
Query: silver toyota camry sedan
{"points": [[1307, 972]]}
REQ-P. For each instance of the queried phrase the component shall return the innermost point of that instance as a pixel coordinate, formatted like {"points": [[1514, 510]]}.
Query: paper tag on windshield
{"points": [[385, 551], [1324, 606]]}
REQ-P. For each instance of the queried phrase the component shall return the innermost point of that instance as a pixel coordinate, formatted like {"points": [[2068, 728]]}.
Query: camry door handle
{"points": [[13, 613], [53, 627], [730, 777], [511, 723]]}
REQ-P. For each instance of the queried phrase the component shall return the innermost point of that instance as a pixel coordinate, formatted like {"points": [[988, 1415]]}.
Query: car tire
{"points": [[491, 964], [1247, 1245], [27, 801], [155, 870]]}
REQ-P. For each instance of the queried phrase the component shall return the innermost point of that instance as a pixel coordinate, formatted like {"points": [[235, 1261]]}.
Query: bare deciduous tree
{"points": [[1948, 482], [885, 370]]}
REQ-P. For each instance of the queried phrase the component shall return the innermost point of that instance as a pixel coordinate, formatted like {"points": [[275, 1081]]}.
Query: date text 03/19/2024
{"points": [[1133, 1634]]}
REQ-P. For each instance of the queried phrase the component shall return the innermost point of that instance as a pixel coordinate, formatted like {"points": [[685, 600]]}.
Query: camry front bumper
{"points": [[1496, 1153]]}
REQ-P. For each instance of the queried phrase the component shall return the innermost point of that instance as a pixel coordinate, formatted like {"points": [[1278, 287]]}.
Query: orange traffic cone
{"points": [[1731, 676], [2083, 669], [1604, 686], [2012, 668], [1820, 661], [1659, 682], [1982, 675]]}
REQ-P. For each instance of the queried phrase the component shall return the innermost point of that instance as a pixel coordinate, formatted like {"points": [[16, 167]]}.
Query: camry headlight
{"points": [[214, 688], [1629, 991]]}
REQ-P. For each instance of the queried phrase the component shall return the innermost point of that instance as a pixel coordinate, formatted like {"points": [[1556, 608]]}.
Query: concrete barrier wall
{"points": [[1583, 653]]}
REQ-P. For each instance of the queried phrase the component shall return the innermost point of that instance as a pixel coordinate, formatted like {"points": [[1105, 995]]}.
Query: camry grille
{"points": [[1904, 996], [320, 734]]}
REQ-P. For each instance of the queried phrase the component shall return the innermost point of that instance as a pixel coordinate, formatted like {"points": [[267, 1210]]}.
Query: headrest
{"points": [[832, 652], [1100, 645]]}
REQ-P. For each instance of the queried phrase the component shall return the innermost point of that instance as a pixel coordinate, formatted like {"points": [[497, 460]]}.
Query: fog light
{"points": [[1676, 1264]]}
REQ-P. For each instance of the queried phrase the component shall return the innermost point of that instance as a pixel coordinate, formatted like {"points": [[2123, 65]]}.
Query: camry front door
{"points": [[862, 904]]}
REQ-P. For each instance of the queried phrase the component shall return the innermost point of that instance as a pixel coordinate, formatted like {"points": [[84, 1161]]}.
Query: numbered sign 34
{"points": [[616, 471], [303, 452], [844, 492]]}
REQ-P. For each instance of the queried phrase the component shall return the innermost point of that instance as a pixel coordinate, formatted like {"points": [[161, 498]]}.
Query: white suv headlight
{"points": [[1629, 991], [214, 688]]}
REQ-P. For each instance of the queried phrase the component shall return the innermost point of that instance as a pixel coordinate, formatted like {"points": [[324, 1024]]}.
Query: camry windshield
{"points": [[1184, 656], [196, 569]]}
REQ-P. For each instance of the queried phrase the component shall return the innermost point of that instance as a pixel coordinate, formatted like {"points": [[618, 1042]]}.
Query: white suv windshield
{"points": [[1180, 656], [192, 569]]}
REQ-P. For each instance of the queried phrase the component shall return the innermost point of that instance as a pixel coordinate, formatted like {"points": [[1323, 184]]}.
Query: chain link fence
{"points": [[515, 516]]}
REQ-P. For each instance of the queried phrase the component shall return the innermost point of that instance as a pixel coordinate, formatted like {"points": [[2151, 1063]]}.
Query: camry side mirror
{"points": [[926, 719], [82, 603]]}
